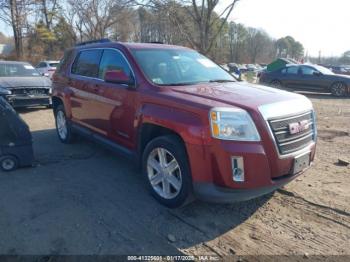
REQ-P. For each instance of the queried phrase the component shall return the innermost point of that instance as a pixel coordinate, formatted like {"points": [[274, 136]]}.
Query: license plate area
{"points": [[301, 162]]}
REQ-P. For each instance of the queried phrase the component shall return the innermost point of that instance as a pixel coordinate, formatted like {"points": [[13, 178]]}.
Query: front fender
{"points": [[186, 124]]}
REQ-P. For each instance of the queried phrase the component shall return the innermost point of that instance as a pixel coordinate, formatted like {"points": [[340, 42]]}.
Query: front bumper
{"points": [[211, 193], [264, 171], [29, 101]]}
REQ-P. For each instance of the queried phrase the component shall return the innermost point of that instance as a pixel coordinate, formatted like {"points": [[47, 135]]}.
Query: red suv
{"points": [[194, 129]]}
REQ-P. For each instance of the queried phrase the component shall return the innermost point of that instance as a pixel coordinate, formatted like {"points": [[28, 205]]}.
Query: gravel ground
{"points": [[82, 199]]}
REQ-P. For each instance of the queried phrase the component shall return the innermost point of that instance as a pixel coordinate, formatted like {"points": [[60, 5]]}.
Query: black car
{"points": [[26, 86], [307, 77]]}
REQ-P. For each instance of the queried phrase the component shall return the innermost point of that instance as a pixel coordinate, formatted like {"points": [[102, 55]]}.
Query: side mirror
{"points": [[118, 77], [316, 73]]}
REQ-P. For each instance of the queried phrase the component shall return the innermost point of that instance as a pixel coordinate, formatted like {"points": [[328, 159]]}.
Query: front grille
{"points": [[30, 91], [286, 141]]}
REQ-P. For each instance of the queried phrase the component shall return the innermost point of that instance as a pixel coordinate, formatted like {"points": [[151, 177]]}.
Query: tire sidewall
{"points": [[336, 95], [176, 147], [69, 136], [12, 158], [276, 83]]}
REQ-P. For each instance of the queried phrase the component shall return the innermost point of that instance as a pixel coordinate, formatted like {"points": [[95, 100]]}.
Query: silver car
{"points": [[47, 68]]}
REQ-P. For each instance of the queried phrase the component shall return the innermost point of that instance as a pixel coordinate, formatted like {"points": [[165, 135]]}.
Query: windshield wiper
{"points": [[180, 84], [221, 81]]}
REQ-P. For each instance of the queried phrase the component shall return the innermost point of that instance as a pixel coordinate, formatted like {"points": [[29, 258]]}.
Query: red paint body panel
{"points": [[118, 113]]}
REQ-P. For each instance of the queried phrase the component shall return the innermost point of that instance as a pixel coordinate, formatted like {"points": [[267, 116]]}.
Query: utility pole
{"points": [[319, 56]]}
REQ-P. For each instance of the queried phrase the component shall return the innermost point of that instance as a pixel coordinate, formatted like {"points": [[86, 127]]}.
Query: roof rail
{"points": [[103, 40]]}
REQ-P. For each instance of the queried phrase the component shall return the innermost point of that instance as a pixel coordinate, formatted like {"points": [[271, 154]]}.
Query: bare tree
{"points": [[94, 18], [14, 13]]}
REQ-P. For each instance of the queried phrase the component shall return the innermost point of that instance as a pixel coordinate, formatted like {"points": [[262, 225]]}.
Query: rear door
{"points": [[290, 76], [83, 81]]}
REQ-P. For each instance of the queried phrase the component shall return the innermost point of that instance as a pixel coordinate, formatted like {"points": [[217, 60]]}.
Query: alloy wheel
{"points": [[338, 89], [8, 164], [164, 173], [61, 125]]}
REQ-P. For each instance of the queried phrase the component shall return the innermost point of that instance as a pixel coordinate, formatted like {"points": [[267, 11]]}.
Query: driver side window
{"points": [[112, 60]]}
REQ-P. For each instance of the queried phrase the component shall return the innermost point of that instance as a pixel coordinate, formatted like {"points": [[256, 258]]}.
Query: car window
{"points": [[53, 64], [293, 70], [178, 67], [41, 65], [305, 70], [113, 60], [87, 63], [17, 70]]}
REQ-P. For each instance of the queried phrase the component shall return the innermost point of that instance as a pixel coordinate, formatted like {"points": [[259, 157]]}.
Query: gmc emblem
{"points": [[295, 128]]}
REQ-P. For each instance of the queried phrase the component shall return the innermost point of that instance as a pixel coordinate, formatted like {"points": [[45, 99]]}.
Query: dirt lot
{"points": [[82, 199]]}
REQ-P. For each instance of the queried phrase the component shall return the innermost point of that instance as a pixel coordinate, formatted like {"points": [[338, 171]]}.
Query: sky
{"points": [[320, 25]]}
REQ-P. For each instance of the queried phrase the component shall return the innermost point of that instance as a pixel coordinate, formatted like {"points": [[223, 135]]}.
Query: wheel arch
{"points": [[56, 101]]}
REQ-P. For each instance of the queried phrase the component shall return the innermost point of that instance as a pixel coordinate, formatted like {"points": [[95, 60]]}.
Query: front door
{"points": [[114, 103]]}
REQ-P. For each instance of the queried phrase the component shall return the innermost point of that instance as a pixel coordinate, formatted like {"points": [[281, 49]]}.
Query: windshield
{"points": [[53, 64], [179, 67], [324, 70], [17, 70]]}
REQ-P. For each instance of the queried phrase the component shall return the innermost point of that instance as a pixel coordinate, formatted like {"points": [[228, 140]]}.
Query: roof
{"points": [[129, 45]]}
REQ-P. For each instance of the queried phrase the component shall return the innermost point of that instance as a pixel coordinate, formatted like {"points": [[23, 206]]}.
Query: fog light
{"points": [[237, 168]]}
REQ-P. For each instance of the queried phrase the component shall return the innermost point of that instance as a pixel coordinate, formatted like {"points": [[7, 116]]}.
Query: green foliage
{"points": [[289, 47]]}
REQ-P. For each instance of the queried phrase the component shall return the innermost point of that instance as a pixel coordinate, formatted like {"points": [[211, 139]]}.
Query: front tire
{"points": [[166, 168], [8, 163], [338, 89], [63, 128]]}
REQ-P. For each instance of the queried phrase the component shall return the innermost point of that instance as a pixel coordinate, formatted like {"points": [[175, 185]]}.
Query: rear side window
{"points": [[41, 65], [87, 63], [113, 60], [64, 61]]}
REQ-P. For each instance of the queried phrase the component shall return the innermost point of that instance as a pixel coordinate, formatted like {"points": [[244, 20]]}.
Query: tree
{"points": [[14, 13], [94, 18], [288, 47], [48, 10]]}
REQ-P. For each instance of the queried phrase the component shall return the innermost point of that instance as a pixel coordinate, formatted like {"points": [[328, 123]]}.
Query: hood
{"points": [[20, 82], [240, 94]]}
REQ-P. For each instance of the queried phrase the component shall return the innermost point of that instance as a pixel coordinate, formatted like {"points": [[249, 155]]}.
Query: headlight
{"points": [[232, 124], [4, 91]]}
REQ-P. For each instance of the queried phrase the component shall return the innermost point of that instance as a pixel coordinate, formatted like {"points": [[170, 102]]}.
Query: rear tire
{"points": [[63, 127], [338, 89], [166, 168], [276, 84], [8, 163]]}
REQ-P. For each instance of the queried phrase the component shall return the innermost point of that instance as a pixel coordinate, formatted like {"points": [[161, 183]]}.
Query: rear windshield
{"points": [[178, 67], [17, 70]]}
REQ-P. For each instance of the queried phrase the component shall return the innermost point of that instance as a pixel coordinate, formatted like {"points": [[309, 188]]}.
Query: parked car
{"points": [[47, 68], [27, 87], [307, 77], [340, 70], [192, 127]]}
